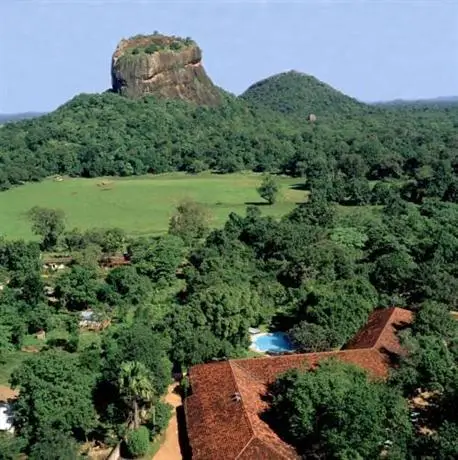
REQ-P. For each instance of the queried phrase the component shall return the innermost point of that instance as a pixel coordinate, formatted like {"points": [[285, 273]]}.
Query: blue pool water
{"points": [[275, 341]]}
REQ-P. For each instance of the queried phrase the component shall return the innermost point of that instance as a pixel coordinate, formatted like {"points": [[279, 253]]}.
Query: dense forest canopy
{"points": [[190, 296], [298, 94], [106, 134]]}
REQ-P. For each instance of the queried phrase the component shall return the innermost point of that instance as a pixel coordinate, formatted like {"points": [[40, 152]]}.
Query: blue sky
{"points": [[373, 50]]}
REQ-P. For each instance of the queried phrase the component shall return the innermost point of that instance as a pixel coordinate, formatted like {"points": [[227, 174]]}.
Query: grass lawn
{"points": [[139, 205], [9, 362]]}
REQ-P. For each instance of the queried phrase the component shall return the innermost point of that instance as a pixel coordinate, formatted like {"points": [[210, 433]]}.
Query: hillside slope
{"points": [[298, 94]]}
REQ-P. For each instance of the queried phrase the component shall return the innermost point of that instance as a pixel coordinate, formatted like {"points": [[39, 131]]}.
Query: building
{"points": [[6, 417], [223, 412]]}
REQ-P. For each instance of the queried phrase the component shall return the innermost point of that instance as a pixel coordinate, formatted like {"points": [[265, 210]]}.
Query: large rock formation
{"points": [[169, 67]]}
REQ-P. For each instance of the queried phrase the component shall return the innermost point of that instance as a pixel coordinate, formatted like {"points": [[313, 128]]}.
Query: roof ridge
{"points": [[245, 413], [270, 447], [246, 446], [393, 309], [250, 374], [329, 352]]}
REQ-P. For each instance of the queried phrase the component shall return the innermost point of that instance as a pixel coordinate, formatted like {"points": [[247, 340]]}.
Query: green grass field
{"points": [[140, 205]]}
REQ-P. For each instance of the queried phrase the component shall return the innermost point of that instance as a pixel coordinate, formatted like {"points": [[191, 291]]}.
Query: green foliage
{"points": [[110, 240], [268, 190], [157, 258], [55, 394], [150, 49], [54, 445], [341, 307], [10, 446], [298, 94], [126, 285], [136, 387], [74, 139], [47, 223], [140, 344], [190, 222], [337, 411], [310, 338], [159, 417], [434, 319], [316, 211], [77, 289], [317, 272], [382, 193], [137, 442]]}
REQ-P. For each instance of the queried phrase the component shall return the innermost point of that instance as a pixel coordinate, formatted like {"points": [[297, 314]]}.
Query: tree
{"points": [[190, 222], [335, 411], [126, 285], [137, 442], [229, 310], [309, 337], [47, 223], [316, 211], [55, 394], [136, 388], [393, 273], [54, 445], [382, 193], [138, 343], [430, 364], [341, 307], [10, 446], [268, 190], [434, 319], [157, 258], [112, 240], [77, 288]]}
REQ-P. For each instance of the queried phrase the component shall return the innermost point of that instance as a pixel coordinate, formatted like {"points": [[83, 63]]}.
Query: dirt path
{"points": [[7, 393], [170, 448]]}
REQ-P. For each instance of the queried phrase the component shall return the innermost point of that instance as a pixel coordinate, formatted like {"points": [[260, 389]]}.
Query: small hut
{"points": [[41, 334]]}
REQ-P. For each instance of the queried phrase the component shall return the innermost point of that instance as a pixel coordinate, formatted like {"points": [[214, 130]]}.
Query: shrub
{"points": [[197, 166], [160, 417], [150, 49], [53, 445], [175, 46], [137, 442], [382, 193]]}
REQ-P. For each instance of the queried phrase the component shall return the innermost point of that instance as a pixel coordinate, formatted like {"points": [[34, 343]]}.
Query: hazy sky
{"points": [[373, 50]]}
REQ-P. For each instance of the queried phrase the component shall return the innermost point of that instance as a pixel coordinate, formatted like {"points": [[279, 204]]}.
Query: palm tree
{"points": [[136, 388]]}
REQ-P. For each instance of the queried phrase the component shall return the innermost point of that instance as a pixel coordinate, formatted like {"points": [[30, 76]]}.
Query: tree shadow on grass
{"points": [[256, 203], [299, 186]]}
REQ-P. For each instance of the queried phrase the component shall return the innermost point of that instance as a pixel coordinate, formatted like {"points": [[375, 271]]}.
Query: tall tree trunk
{"points": [[136, 415]]}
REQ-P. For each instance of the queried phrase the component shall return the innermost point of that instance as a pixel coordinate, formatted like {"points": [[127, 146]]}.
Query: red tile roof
{"points": [[223, 413], [380, 330]]}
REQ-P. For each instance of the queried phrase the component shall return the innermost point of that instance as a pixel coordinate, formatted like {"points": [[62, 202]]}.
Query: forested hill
{"points": [[108, 134], [299, 94], [437, 101]]}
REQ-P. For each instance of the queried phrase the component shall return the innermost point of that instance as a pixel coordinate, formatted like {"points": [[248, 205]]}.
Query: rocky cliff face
{"points": [[168, 67]]}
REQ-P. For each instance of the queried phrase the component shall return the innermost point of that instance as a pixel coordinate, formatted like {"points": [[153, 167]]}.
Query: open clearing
{"points": [[139, 205]]}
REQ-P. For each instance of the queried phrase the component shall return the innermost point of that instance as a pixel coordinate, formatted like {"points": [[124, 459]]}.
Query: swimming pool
{"points": [[273, 341]]}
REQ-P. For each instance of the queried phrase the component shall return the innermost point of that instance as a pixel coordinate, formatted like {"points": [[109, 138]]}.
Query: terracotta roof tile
{"points": [[220, 427], [380, 330]]}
